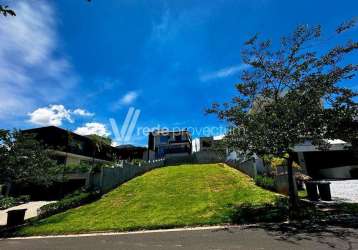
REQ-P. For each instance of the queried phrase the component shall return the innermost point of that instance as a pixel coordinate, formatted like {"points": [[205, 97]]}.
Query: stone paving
{"points": [[30, 212], [345, 190]]}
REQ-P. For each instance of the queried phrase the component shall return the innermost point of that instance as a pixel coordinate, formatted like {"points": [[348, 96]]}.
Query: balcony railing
{"points": [[179, 141]]}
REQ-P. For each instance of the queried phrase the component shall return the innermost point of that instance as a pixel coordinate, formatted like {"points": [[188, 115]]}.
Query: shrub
{"points": [[265, 182], [7, 202], [23, 198], [274, 161], [138, 161], [73, 200], [78, 168]]}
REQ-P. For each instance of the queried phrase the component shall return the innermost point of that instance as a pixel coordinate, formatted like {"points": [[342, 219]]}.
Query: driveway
{"points": [[345, 190], [253, 237], [30, 212]]}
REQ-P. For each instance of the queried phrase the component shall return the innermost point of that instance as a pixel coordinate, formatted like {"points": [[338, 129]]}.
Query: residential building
{"points": [[206, 143], [209, 149], [339, 161], [130, 152], [70, 148], [164, 143]]}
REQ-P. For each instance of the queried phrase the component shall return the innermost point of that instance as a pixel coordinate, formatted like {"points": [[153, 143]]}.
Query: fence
{"points": [[248, 166], [109, 178], [207, 156]]}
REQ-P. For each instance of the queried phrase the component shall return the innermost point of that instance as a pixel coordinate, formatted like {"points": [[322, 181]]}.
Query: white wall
{"points": [[195, 145], [337, 173]]}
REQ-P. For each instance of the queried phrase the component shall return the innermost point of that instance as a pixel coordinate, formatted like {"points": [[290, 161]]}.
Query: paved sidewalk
{"points": [[30, 212], [345, 190], [253, 237]]}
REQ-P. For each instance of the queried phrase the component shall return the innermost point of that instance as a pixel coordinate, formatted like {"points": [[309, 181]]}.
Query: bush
{"points": [[78, 168], [24, 198], [73, 200], [138, 161], [265, 182], [8, 202]]}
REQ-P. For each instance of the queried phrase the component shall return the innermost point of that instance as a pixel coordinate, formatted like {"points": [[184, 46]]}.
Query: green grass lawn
{"points": [[167, 197]]}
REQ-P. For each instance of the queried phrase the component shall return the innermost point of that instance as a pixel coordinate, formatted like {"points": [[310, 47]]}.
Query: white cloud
{"points": [[161, 30], [33, 69], [55, 115], [125, 100], [92, 128], [52, 115], [172, 25], [223, 73], [129, 98], [82, 112]]}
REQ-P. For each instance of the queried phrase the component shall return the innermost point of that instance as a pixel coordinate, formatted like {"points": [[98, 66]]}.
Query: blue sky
{"points": [[76, 64]]}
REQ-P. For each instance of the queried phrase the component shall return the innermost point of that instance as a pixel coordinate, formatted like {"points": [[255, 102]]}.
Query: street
{"points": [[250, 237]]}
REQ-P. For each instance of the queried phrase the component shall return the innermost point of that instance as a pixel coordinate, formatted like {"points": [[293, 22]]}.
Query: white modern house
{"points": [[337, 162]]}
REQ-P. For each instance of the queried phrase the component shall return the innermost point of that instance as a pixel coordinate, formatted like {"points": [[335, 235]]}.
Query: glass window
{"points": [[164, 139]]}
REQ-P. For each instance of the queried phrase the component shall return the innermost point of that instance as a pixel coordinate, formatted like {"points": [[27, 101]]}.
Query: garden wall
{"points": [[248, 166], [207, 157]]}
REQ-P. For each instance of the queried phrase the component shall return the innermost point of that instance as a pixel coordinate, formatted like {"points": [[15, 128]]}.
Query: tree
{"points": [[291, 93], [24, 160], [6, 11], [104, 140]]}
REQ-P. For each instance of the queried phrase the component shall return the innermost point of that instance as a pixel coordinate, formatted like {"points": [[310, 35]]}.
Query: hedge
{"points": [[7, 202], [73, 200], [265, 182]]}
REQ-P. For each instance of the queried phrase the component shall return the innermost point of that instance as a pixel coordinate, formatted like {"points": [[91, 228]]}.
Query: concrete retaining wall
{"points": [[207, 157], [174, 159], [109, 178], [248, 166]]}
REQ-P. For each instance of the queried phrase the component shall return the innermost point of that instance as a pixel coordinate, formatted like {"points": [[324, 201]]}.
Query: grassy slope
{"points": [[167, 197]]}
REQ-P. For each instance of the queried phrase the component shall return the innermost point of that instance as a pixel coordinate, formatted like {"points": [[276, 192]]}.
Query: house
{"points": [[164, 143], [70, 148], [206, 143], [339, 161], [209, 149], [202, 143], [130, 152]]}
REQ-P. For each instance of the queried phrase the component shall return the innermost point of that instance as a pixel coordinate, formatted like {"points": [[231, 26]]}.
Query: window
{"points": [[164, 139], [207, 144]]}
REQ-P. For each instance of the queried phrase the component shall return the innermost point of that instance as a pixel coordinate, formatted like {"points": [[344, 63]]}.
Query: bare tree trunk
{"points": [[292, 203]]}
